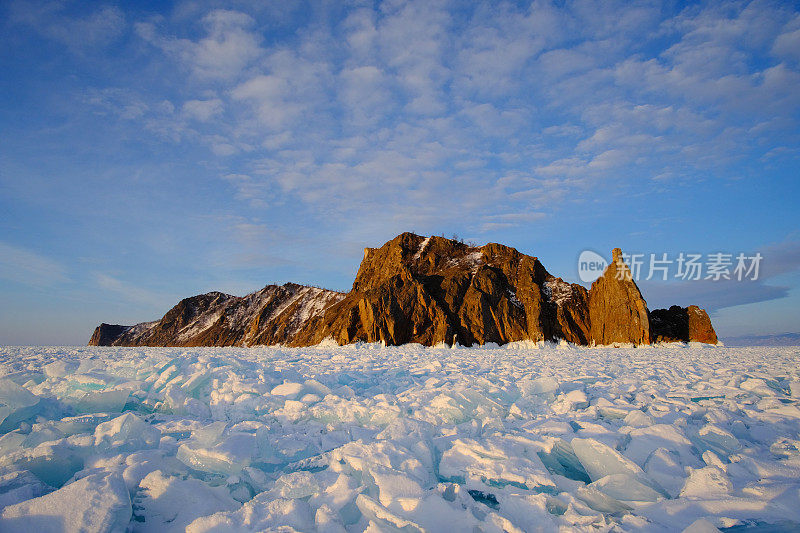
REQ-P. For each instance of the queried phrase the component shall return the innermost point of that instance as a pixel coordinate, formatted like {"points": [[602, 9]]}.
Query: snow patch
{"points": [[557, 291], [422, 248]]}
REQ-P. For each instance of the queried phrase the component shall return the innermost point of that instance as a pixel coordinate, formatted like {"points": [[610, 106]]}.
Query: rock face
{"points": [[272, 315], [617, 311], [432, 290], [682, 324], [106, 334], [415, 289]]}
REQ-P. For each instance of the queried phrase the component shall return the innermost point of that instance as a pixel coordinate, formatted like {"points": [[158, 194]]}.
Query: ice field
{"points": [[522, 437]]}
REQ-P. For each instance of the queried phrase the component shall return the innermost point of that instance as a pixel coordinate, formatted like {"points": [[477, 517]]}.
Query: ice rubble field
{"points": [[369, 438]]}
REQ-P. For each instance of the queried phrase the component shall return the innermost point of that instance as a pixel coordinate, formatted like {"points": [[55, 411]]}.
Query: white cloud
{"points": [[610, 159], [383, 113], [156, 117], [271, 96], [122, 102], [81, 34], [228, 48], [364, 93], [293, 89], [787, 44], [203, 110]]}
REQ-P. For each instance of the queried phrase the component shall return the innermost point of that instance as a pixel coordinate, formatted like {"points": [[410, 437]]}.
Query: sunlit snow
{"points": [[523, 437]]}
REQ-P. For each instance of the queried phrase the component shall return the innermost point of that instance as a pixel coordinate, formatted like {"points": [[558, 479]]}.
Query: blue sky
{"points": [[151, 151]]}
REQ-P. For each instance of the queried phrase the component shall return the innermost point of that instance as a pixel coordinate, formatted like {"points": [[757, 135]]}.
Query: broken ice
{"points": [[524, 437]]}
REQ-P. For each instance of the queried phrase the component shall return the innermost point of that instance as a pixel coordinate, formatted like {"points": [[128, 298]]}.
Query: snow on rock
{"points": [[557, 291], [99, 502], [524, 437], [422, 248]]}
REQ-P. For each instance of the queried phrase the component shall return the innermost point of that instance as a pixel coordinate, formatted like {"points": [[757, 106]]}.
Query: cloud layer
{"points": [[186, 147], [416, 112]]}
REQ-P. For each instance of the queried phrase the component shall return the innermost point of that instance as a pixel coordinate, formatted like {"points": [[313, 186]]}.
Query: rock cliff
{"points": [[272, 315], [433, 290], [682, 324], [106, 334], [617, 311], [426, 290]]}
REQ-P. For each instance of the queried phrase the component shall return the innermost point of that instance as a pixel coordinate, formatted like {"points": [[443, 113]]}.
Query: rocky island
{"points": [[427, 290]]}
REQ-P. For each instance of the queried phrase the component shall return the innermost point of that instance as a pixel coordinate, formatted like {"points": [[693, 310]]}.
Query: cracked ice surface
{"points": [[523, 437]]}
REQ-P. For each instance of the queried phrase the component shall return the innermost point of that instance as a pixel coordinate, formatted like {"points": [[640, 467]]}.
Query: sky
{"points": [[150, 151]]}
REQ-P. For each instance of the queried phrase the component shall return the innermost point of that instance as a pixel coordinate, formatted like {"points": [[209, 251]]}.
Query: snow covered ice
{"points": [[524, 437]]}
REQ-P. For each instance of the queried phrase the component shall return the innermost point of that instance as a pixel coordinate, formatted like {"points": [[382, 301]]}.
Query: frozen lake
{"points": [[369, 438]]}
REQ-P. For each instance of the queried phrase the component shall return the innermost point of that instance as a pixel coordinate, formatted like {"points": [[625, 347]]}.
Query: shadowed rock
{"points": [[106, 334], [682, 324]]}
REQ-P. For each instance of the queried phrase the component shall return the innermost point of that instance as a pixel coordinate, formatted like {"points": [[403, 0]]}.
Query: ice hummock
{"points": [[600, 460], [126, 433], [97, 502], [170, 502], [16, 404], [524, 437]]}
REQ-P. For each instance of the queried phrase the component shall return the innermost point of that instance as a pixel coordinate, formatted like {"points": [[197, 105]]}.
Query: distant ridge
{"points": [[783, 339], [427, 290]]}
